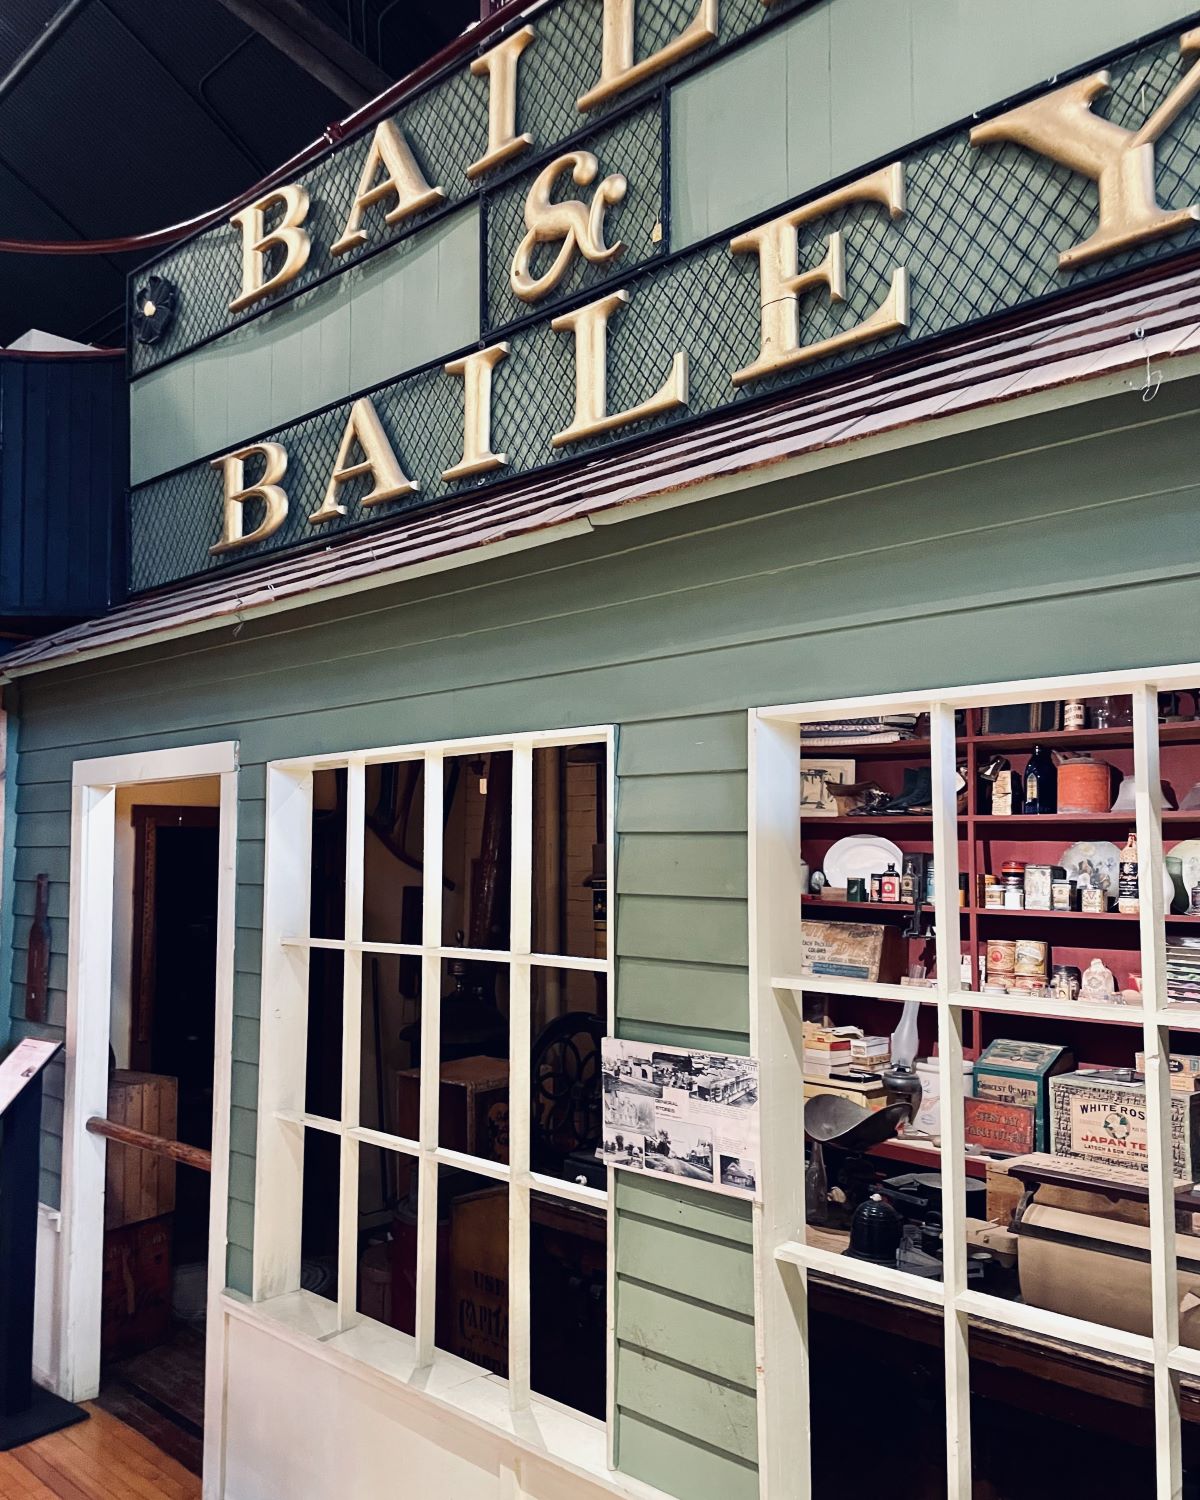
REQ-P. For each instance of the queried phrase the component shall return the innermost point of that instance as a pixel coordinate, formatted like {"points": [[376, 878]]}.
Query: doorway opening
{"points": [[162, 1039]]}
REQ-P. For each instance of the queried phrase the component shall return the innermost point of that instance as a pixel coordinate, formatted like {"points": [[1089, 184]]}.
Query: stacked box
{"points": [[1097, 1118], [1011, 1072]]}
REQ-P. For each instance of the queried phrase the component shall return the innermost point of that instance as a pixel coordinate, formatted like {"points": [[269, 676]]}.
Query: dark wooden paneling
{"points": [[63, 450]]}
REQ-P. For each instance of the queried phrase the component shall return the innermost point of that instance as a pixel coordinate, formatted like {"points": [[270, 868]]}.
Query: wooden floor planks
{"points": [[100, 1459]]}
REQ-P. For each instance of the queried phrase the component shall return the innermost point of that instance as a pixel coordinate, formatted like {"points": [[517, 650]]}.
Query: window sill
{"points": [[384, 1356]]}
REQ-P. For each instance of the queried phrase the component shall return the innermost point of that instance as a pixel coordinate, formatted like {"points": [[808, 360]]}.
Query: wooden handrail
{"points": [[157, 1145]]}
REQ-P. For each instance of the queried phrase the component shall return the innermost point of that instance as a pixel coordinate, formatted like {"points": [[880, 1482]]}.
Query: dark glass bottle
{"points": [[1041, 782]]}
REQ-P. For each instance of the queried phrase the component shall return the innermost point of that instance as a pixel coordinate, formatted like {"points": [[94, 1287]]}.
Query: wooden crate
{"points": [[473, 1107], [138, 1185], [478, 1283], [136, 1296]]}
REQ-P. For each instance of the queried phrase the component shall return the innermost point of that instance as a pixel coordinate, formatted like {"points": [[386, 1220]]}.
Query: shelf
{"points": [[866, 749], [873, 822], [1184, 732], [857, 989], [896, 908], [925, 1154], [1027, 822], [1072, 916]]}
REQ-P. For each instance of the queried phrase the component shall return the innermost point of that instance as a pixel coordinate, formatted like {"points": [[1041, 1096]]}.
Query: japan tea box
{"points": [[1099, 1115]]}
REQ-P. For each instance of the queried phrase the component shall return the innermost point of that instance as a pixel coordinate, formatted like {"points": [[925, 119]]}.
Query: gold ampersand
{"points": [[578, 225]]}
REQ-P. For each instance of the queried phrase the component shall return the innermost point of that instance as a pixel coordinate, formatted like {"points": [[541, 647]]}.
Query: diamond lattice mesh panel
{"points": [[446, 126], [631, 147], [982, 234]]}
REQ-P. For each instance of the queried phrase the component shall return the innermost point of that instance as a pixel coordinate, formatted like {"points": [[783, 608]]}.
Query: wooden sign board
{"points": [[25, 1061], [989, 1125]]}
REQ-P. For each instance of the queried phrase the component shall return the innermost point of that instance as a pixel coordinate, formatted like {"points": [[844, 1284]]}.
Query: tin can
{"points": [[1031, 958], [1084, 786], [1062, 894], [1001, 956]]}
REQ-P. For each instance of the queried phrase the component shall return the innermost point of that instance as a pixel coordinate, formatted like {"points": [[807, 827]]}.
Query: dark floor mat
{"points": [[161, 1395]]}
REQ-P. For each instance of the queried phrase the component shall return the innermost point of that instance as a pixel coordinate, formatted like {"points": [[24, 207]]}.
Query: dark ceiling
{"points": [[130, 115]]}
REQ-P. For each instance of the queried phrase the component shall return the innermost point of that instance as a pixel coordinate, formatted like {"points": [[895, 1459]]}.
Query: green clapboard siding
{"points": [[1056, 544]]}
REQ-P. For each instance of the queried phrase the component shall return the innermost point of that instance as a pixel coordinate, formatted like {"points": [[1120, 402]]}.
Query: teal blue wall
{"points": [[1057, 544]]}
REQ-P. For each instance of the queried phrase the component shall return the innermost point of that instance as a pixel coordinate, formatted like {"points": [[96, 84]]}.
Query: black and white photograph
{"points": [[681, 1150], [729, 1081], [739, 1172], [624, 1111], [624, 1148]]}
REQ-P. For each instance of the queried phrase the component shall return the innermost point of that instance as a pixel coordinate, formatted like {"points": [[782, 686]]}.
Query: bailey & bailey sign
{"points": [[594, 327]]}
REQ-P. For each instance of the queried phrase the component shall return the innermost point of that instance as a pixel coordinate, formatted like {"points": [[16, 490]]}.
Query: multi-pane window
{"points": [[437, 983], [1016, 870]]}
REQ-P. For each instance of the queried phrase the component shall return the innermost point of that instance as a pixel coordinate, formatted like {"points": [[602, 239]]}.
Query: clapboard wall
{"points": [[1060, 543]]}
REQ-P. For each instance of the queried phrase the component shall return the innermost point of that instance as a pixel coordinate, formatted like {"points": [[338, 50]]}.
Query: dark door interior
{"points": [[156, 1215]]}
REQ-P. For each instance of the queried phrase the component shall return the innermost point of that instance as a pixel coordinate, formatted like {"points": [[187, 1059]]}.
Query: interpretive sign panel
{"points": [[672, 1112]]}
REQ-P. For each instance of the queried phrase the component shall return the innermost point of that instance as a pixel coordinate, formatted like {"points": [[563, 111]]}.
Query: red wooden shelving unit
{"points": [[985, 842]]}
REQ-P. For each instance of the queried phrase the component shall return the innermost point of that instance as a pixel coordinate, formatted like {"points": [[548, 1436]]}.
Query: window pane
{"points": [[477, 859], [472, 1269], [567, 1024], [387, 1237], [473, 1110], [323, 1075], [570, 821], [328, 918], [854, 1340], [389, 1079], [568, 1301], [319, 1232], [394, 851], [1100, 1429]]}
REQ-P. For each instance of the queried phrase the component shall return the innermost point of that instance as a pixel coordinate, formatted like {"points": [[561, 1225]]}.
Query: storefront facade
{"points": [[1003, 506]]}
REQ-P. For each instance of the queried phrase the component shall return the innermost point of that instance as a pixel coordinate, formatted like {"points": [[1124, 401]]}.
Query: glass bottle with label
{"points": [[1041, 782], [1127, 880]]}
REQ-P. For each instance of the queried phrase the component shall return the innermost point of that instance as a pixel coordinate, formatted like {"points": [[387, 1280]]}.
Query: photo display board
{"points": [[675, 1112]]}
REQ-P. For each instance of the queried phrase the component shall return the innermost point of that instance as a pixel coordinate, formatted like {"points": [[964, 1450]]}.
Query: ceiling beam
{"points": [[45, 39], [313, 46]]}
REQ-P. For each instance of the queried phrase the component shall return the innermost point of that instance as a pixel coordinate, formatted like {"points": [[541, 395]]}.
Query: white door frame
{"points": [[89, 1001]]}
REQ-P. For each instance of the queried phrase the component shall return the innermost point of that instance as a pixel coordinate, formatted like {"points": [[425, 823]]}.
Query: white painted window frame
{"points": [[94, 786], [783, 1259], [282, 1120]]}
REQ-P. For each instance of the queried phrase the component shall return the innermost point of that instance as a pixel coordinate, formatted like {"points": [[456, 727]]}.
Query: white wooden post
{"points": [[519, 1084], [279, 1166], [776, 1039], [1156, 1044], [431, 1052], [218, 1213], [93, 832], [352, 968], [956, 1326]]}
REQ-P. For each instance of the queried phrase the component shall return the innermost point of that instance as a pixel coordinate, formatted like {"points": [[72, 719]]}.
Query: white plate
{"points": [[1100, 855], [1107, 857], [860, 856]]}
